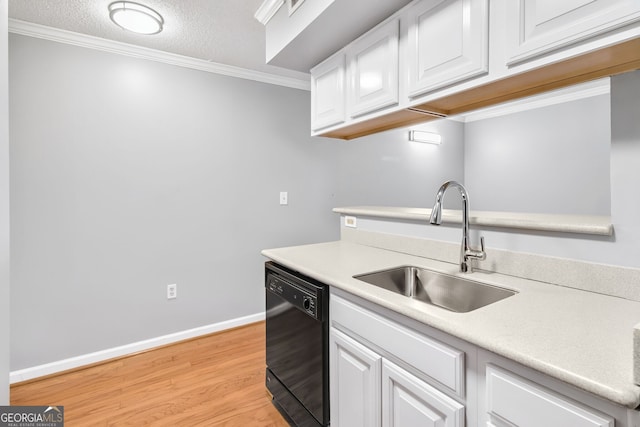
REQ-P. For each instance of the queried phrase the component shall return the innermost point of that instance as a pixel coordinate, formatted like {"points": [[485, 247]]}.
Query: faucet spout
{"points": [[466, 252], [436, 213]]}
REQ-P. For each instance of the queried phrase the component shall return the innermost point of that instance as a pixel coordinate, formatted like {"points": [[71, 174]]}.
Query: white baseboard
{"points": [[99, 356]]}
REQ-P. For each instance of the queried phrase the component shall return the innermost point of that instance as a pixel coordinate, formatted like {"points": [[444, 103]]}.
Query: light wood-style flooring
{"points": [[215, 380]]}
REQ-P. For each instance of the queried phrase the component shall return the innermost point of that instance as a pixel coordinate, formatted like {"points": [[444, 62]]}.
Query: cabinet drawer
{"points": [[515, 401], [439, 361]]}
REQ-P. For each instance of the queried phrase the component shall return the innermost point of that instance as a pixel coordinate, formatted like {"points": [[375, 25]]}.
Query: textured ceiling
{"points": [[221, 31]]}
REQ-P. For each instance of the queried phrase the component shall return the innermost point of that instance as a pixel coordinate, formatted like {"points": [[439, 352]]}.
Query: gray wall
{"points": [[546, 160], [4, 209], [625, 168], [128, 175], [620, 249], [386, 169]]}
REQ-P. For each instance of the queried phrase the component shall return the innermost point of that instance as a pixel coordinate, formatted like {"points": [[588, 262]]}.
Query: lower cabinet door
{"points": [[355, 383], [408, 401]]}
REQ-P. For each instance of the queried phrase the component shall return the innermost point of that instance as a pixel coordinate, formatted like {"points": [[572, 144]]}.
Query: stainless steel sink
{"points": [[450, 292]]}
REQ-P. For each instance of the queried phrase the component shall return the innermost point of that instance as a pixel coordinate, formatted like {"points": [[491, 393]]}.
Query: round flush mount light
{"points": [[135, 17]]}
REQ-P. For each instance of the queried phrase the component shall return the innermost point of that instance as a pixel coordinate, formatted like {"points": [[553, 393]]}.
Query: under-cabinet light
{"points": [[135, 17], [422, 136]]}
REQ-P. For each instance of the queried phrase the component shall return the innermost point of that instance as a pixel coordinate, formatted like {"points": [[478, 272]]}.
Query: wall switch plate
{"points": [[284, 198], [172, 291], [350, 221]]}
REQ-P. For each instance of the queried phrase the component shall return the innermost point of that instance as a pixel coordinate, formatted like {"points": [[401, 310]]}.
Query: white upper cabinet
{"points": [[328, 92], [372, 64], [435, 58], [300, 34], [537, 27], [447, 42]]}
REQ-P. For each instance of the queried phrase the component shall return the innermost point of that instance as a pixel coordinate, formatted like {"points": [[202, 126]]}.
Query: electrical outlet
{"points": [[284, 198], [350, 221], [172, 291]]}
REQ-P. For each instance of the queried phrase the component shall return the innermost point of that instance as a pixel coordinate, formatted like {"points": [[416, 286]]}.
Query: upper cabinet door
{"points": [[373, 70], [328, 93], [536, 27], [447, 43]]}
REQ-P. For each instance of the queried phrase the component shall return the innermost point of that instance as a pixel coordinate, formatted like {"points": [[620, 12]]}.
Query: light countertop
{"points": [[582, 338]]}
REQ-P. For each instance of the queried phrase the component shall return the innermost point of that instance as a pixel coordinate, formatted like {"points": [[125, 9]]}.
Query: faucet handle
{"points": [[481, 253], [477, 254]]}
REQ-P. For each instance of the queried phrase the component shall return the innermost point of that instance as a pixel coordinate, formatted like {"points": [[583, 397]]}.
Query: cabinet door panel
{"points": [[409, 401], [536, 27], [373, 70], [355, 383], [436, 359], [327, 93], [515, 401], [447, 43]]}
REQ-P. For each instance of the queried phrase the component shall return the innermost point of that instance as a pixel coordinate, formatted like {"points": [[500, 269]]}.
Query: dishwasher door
{"points": [[297, 346]]}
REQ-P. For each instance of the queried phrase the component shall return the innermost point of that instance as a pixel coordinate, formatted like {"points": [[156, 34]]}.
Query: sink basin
{"points": [[450, 292]]}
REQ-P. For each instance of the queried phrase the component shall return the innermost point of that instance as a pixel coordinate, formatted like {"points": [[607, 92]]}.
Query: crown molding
{"points": [[267, 9], [111, 46], [572, 93]]}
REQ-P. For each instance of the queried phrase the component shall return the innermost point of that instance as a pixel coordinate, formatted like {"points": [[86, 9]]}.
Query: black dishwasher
{"points": [[297, 318]]}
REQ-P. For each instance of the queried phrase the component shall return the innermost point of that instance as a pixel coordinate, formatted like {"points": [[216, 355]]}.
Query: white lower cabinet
{"points": [[385, 374], [512, 395], [355, 383], [390, 371], [409, 401], [516, 401], [368, 390]]}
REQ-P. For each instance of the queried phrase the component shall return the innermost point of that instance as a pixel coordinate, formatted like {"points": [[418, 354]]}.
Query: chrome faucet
{"points": [[466, 252]]}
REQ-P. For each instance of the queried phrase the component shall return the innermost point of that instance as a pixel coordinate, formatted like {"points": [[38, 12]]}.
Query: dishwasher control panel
{"points": [[303, 299]]}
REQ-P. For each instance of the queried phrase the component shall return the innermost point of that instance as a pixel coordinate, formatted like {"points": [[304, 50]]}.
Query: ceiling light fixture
{"points": [[428, 137], [135, 17]]}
